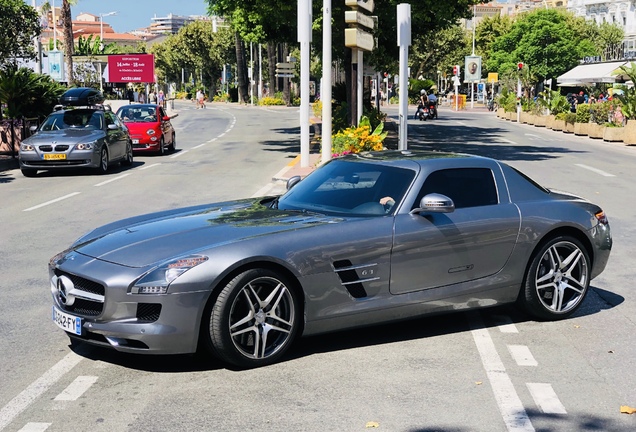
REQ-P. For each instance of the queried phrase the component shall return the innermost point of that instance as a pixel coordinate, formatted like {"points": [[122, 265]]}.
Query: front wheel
{"points": [[128, 159], [103, 161], [557, 279], [162, 148], [254, 319], [173, 143]]}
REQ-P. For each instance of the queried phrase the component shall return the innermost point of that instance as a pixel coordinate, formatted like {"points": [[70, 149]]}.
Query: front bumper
{"points": [[89, 159], [133, 323], [601, 236], [144, 142]]}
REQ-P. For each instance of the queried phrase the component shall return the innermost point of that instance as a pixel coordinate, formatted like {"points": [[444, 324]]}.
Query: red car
{"points": [[149, 127]]}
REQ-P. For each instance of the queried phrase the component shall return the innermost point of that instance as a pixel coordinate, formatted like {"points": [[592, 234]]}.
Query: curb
{"points": [[8, 163]]}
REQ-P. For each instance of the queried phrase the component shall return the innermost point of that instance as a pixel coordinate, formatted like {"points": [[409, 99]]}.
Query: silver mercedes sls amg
{"points": [[364, 239]]}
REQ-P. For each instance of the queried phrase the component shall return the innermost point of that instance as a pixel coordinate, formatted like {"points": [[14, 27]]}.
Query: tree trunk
{"points": [[271, 67], [241, 70], [68, 41]]}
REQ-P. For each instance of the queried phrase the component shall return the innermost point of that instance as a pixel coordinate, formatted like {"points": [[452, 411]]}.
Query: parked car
{"points": [[364, 239], [150, 127], [82, 133]]}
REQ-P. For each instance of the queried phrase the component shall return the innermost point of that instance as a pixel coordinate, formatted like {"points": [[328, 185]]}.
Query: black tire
{"points": [[128, 159], [103, 161], [560, 266], [173, 143], [162, 147], [29, 172], [258, 305]]}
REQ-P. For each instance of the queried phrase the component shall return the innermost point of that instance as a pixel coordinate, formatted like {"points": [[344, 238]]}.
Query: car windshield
{"points": [[138, 114], [349, 188], [73, 119]]}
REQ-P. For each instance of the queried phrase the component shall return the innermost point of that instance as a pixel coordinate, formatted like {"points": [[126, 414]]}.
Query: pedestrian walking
{"points": [[161, 99]]}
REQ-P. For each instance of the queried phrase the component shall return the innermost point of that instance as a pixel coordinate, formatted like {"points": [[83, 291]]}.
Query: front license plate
{"points": [[135, 141], [67, 322], [54, 156]]}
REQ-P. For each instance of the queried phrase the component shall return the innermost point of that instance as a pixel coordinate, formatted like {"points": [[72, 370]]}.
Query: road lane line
{"points": [[509, 141], [220, 136], [200, 145], [546, 398], [149, 166], [212, 140], [595, 170], [176, 155], [35, 427], [510, 406], [522, 355], [112, 180], [505, 324], [19, 403], [52, 201], [532, 135], [77, 388], [460, 123]]}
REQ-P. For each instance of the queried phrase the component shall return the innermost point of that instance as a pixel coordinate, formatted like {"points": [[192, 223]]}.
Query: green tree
{"points": [[27, 94], [90, 46], [609, 41], [20, 24], [67, 31]]}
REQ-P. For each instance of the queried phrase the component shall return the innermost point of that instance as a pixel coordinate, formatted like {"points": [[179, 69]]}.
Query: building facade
{"points": [[619, 12]]}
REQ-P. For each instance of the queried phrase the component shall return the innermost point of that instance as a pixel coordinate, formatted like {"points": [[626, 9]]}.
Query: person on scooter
{"points": [[421, 103], [432, 105]]}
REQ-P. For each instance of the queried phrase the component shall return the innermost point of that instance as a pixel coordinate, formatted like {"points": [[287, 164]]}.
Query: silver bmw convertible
{"points": [[364, 239]]}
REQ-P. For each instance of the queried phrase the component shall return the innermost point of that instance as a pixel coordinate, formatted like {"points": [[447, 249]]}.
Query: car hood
{"points": [[139, 127], [65, 136], [159, 237]]}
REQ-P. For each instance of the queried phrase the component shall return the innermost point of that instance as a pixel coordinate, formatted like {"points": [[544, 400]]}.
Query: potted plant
{"points": [[569, 119], [582, 119], [627, 97]]}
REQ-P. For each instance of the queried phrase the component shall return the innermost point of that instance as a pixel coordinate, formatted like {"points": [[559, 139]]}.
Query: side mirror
{"points": [[293, 181], [112, 126], [166, 118], [435, 203], [33, 128]]}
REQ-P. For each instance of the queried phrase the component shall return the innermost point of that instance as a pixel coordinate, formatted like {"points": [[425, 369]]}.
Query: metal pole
{"points": [[304, 37], [404, 40], [260, 71], [54, 26], [251, 74], [325, 96], [360, 79]]}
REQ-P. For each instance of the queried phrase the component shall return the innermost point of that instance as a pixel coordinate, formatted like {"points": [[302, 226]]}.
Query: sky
{"points": [[133, 14]]}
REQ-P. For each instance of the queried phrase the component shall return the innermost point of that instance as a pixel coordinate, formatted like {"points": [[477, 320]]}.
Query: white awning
{"points": [[587, 74]]}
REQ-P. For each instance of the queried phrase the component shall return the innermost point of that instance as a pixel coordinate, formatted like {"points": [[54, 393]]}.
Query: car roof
{"points": [[406, 158]]}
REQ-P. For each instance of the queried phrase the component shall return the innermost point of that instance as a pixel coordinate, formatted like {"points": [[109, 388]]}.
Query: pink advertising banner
{"points": [[131, 68]]}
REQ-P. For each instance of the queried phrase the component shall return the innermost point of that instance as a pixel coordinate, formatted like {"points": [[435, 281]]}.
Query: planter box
{"points": [[569, 128], [549, 121], [580, 128], [501, 113], [629, 135], [524, 116], [540, 121], [532, 118], [513, 116], [558, 125], [595, 130], [614, 134]]}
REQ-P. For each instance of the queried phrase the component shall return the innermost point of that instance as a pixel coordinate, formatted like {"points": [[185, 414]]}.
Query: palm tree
{"points": [[67, 24]]}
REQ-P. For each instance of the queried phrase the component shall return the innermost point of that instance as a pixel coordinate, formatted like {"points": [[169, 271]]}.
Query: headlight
{"points": [[157, 280], [150, 131], [26, 147], [85, 146]]}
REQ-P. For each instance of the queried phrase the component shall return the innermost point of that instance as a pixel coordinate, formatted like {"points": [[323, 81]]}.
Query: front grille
{"points": [[148, 312], [82, 306], [58, 162], [83, 284], [61, 147], [46, 148]]}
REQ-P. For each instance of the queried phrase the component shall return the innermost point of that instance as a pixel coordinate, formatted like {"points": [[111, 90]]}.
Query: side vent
{"points": [[350, 276], [148, 312]]}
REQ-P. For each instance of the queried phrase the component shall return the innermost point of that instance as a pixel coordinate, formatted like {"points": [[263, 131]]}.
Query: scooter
{"points": [[422, 112]]}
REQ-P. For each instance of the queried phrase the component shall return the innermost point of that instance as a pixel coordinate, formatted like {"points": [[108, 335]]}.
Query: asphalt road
{"points": [[495, 370]]}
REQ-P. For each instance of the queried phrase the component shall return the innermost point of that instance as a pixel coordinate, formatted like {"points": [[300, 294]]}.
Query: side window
{"points": [[110, 118], [467, 187], [162, 112]]}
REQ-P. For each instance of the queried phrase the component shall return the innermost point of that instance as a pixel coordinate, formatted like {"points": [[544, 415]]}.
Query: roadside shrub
{"points": [[268, 101], [221, 97], [569, 117], [358, 139], [583, 113], [600, 112], [316, 108], [375, 116]]}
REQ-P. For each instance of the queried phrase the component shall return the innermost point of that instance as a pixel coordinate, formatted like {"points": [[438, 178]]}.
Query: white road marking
{"points": [[200, 145], [220, 136], [149, 166], [212, 140], [460, 123], [35, 427], [77, 388], [19, 403], [510, 406], [508, 141], [112, 180], [532, 135], [595, 170], [506, 325], [545, 397], [522, 355], [182, 152], [52, 201]]}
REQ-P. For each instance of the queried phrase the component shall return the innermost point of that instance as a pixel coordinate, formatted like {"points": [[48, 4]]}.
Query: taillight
{"points": [[601, 218]]}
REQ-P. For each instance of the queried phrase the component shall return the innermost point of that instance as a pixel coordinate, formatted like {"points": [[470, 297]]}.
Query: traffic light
{"points": [[456, 70], [519, 66]]}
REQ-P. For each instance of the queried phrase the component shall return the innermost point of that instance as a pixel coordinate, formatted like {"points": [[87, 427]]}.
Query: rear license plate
{"points": [[135, 141], [54, 156], [69, 323]]}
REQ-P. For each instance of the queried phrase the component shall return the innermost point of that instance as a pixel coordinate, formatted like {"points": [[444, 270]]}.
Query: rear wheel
{"points": [[28, 172], [557, 280], [254, 319], [128, 159], [103, 161], [173, 143], [162, 148]]}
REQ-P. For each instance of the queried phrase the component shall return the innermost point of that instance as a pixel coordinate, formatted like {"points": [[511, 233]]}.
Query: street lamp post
{"points": [[101, 45]]}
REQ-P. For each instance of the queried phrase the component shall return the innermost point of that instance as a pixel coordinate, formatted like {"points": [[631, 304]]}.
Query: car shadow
{"points": [[117, 168], [596, 301]]}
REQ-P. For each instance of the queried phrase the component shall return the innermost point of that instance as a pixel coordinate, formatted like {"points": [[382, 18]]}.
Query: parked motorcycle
{"points": [[490, 104]]}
